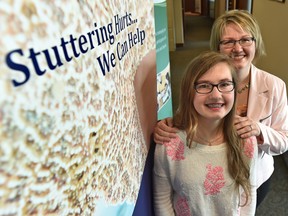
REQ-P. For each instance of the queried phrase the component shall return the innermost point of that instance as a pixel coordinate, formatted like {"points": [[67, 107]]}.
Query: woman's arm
{"points": [[274, 129], [271, 132]]}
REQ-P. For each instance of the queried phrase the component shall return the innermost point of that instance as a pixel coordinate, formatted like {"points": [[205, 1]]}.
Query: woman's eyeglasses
{"points": [[244, 42]]}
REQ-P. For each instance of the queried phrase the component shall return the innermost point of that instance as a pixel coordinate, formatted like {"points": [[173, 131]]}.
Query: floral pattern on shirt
{"points": [[182, 207], [214, 181], [175, 149], [249, 147]]}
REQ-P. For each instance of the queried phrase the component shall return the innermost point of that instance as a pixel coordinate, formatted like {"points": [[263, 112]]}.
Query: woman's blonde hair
{"points": [[245, 21], [186, 117]]}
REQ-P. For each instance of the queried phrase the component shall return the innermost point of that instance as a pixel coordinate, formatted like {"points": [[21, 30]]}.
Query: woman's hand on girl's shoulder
{"points": [[164, 131]]}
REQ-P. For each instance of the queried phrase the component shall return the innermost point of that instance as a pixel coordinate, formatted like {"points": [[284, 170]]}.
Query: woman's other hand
{"points": [[246, 128], [164, 131]]}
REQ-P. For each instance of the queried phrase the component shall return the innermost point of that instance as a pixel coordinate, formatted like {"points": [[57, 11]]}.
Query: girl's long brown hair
{"points": [[186, 117]]}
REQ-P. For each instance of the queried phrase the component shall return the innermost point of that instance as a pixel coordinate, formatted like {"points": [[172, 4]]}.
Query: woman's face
{"points": [[242, 56], [214, 106]]}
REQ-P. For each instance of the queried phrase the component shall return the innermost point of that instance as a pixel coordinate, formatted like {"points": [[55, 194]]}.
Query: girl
{"points": [[206, 169]]}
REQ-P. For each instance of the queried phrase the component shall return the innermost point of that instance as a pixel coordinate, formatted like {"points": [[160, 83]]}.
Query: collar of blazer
{"points": [[258, 96]]}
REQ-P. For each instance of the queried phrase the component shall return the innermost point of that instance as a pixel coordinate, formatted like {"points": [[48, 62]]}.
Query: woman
{"points": [[207, 169], [262, 98]]}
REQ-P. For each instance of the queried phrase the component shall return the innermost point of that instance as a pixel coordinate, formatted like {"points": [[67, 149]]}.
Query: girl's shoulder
{"points": [[176, 147]]}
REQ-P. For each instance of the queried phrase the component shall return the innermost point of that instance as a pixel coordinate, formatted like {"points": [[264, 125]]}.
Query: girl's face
{"points": [[242, 56], [214, 106]]}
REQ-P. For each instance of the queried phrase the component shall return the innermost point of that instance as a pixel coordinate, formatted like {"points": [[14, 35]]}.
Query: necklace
{"points": [[239, 91], [211, 141]]}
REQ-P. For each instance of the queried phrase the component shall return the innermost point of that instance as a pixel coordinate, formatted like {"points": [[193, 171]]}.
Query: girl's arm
{"points": [[162, 188], [251, 151]]}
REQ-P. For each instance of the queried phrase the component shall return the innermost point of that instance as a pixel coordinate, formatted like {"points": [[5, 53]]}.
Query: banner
{"points": [[144, 205], [77, 105], [164, 92]]}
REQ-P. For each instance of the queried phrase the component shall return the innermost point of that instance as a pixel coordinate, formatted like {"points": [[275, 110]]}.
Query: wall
{"points": [[170, 20], [178, 16], [197, 6], [272, 17], [219, 7], [175, 24]]}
